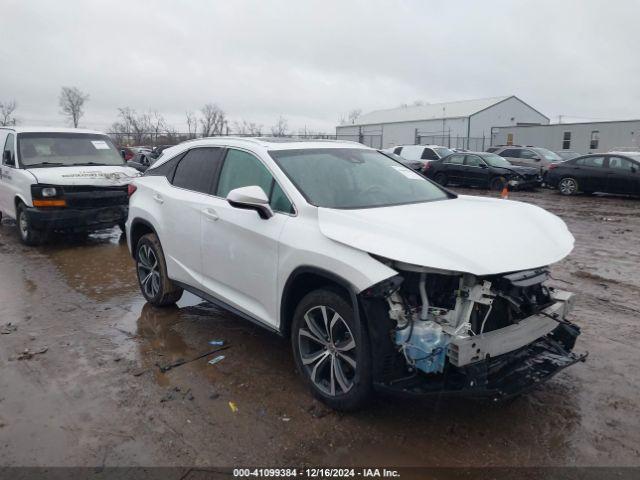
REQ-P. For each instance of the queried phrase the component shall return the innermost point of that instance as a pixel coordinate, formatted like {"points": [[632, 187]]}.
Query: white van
{"points": [[421, 152], [61, 179]]}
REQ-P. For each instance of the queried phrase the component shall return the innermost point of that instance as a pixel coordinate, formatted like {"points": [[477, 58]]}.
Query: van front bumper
{"points": [[76, 220]]}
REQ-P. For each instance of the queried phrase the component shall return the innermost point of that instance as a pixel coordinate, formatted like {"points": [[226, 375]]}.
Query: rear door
{"points": [[622, 175], [183, 203], [591, 174], [454, 168]]}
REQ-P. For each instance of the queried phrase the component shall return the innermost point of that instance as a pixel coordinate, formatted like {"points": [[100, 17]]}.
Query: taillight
{"points": [[552, 166], [131, 188], [426, 167]]}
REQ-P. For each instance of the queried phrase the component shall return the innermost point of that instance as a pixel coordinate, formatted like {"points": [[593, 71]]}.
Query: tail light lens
{"points": [[552, 166], [131, 188], [426, 167]]}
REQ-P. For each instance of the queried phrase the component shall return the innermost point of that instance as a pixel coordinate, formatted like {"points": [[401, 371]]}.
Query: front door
{"points": [[240, 249], [454, 168], [622, 175], [7, 180], [475, 172]]}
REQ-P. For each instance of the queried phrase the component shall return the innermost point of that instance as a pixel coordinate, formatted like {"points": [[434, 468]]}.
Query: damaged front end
{"points": [[447, 332]]}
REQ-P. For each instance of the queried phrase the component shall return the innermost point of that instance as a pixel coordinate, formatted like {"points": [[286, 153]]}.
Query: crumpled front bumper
{"points": [[501, 377], [76, 219]]}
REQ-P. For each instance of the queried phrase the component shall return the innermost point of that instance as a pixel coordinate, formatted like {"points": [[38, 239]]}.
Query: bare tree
{"points": [[71, 102], [6, 113], [354, 115], [281, 127], [157, 124], [132, 125], [248, 128], [213, 120], [192, 124]]}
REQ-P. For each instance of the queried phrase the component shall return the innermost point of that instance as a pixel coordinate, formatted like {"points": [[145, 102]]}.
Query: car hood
{"points": [[102, 175], [481, 236]]}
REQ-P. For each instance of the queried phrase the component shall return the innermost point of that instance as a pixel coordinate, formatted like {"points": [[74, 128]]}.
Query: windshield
{"points": [[549, 155], [443, 152], [353, 178], [495, 160], [66, 149]]}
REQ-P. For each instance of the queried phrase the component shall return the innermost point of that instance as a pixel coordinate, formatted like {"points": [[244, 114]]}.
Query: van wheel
{"points": [[155, 285], [568, 186], [28, 235], [441, 179], [331, 350]]}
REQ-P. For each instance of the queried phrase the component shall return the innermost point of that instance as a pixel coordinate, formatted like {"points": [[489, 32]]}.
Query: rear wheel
{"points": [[441, 179], [568, 186], [151, 267], [28, 235], [331, 350]]}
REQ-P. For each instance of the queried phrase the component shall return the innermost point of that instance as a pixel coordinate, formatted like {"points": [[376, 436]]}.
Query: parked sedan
{"points": [[608, 173], [481, 169], [412, 164]]}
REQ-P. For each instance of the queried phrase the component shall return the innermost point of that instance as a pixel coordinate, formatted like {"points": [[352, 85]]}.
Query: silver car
{"points": [[528, 156]]}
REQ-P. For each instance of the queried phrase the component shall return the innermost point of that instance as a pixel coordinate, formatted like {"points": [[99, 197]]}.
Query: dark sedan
{"points": [[600, 172], [482, 169]]}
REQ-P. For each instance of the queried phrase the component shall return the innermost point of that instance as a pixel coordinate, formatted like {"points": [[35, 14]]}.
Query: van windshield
{"points": [[354, 178], [66, 149]]}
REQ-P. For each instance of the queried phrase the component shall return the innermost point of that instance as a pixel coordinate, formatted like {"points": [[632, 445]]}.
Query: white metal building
{"points": [[462, 124], [579, 137]]}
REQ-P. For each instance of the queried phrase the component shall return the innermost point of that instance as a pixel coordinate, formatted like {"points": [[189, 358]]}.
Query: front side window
{"points": [[242, 169], [566, 140], [618, 163], [9, 147], [353, 178], [595, 140], [593, 162], [548, 155], [397, 150], [528, 154], [197, 169], [473, 161], [66, 149]]}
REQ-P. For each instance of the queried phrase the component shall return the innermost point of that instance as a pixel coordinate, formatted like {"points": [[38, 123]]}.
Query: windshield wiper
{"points": [[94, 163], [43, 163]]}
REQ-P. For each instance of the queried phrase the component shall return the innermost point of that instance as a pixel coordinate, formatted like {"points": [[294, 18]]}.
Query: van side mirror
{"points": [[483, 165], [251, 198], [7, 158]]}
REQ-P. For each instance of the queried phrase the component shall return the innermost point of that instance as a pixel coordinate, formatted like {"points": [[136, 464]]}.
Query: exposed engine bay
{"points": [[447, 324]]}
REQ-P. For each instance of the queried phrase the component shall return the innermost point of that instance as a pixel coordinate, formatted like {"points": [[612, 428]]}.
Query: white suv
{"points": [[381, 278]]}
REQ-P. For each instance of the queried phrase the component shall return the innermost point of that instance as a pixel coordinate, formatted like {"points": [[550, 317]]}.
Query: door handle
{"points": [[158, 198], [210, 214]]}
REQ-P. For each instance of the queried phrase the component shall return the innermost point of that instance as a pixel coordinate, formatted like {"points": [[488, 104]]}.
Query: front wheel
{"points": [[568, 186], [28, 235], [331, 350], [156, 286]]}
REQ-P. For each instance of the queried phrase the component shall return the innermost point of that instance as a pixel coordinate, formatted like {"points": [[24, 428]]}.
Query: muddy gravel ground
{"points": [[92, 393]]}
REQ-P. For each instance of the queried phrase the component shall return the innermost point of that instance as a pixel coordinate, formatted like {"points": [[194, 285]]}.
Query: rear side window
{"points": [[429, 154], [455, 159], [511, 152], [397, 150], [197, 169], [241, 169], [528, 154], [594, 162]]}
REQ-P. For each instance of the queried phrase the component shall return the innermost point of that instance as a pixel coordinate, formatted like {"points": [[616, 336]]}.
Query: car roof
{"points": [[36, 129]]}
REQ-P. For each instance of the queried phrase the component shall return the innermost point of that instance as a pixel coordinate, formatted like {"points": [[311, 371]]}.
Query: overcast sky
{"points": [[314, 61]]}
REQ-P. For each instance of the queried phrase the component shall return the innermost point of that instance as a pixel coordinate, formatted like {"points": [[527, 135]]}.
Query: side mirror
{"points": [[634, 169], [483, 165], [8, 159], [251, 198]]}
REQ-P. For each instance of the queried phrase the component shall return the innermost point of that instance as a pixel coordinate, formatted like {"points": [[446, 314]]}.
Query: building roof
{"points": [[26, 129], [432, 111]]}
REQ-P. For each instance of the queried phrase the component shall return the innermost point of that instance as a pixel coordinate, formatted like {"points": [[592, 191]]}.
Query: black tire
{"points": [[28, 235], [335, 362], [568, 186], [441, 179], [151, 269], [497, 183]]}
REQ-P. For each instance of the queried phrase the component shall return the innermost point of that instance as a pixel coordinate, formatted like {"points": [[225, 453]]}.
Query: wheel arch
{"points": [[16, 201], [305, 279], [139, 227]]}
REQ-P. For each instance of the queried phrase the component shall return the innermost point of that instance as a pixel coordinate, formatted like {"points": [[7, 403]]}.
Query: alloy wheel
{"points": [[568, 186], [148, 271], [328, 350]]}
